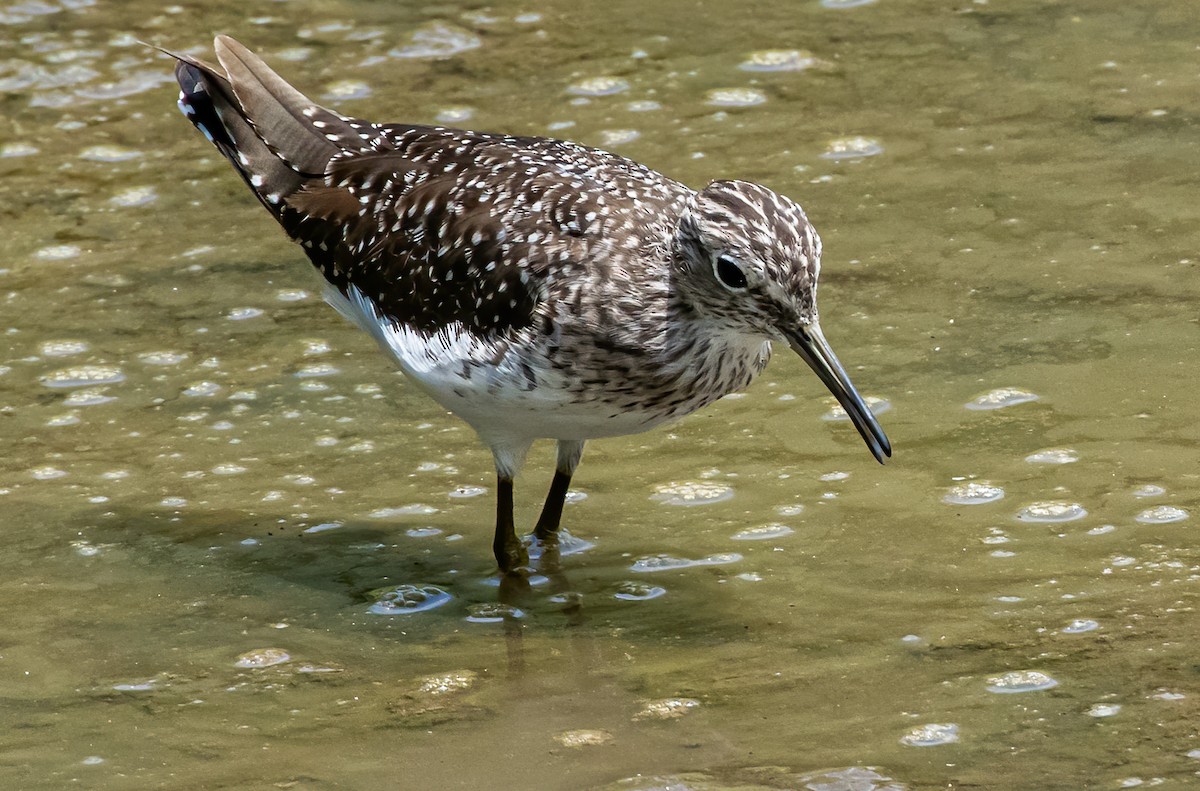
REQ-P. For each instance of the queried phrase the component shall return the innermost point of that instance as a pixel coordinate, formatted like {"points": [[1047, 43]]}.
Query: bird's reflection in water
{"points": [[517, 594]]}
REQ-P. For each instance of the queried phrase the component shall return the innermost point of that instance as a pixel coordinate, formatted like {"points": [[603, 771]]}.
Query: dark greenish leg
{"points": [[510, 553], [569, 453]]}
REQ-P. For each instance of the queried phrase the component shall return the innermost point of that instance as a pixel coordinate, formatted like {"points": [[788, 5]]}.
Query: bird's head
{"points": [[748, 260]]}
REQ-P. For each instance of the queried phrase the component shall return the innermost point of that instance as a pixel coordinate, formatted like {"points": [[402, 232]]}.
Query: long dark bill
{"points": [[810, 344]]}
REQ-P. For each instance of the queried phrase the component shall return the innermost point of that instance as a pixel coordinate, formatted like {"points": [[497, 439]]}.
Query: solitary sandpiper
{"points": [[536, 288]]}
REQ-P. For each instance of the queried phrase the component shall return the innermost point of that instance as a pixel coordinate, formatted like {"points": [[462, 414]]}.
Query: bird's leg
{"points": [[509, 551], [569, 453]]}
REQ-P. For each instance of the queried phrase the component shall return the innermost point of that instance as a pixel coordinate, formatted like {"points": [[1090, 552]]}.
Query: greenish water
{"points": [[1026, 220]]}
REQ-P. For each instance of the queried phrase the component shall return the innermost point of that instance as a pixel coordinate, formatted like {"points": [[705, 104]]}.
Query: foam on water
{"points": [[763, 533], [1080, 625], [598, 86], [492, 612], [972, 493], [844, 148], [931, 735], [1052, 512], [83, 376], [1002, 397], [638, 591], [62, 348], [669, 563], [1161, 515], [691, 493], [1020, 681], [262, 657], [1053, 456], [778, 60], [735, 97], [409, 599]]}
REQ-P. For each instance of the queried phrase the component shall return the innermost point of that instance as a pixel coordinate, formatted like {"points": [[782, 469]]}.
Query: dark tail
{"points": [[274, 136]]}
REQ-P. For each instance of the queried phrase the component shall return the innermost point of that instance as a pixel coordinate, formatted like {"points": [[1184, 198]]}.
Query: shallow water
{"points": [[210, 479]]}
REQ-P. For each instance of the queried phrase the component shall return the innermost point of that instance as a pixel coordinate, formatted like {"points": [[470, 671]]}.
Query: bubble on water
{"points": [[1149, 490], [162, 357], [764, 533], [792, 509], [134, 197], [574, 496], [1052, 512], [643, 106], [1080, 625], [778, 60], [618, 137], [88, 396], [107, 153], [423, 532], [416, 509], [466, 492], [137, 686], [492, 612], [69, 419], [9, 150], [1002, 397], [1164, 694], [1020, 681], [972, 493], [583, 738], [666, 709], [92, 760], [324, 527], [534, 580], [59, 252], [454, 115], [830, 477], [877, 405], [838, 5], [1101, 530], [228, 469], [262, 657], [598, 86], [173, 502], [437, 40], [1053, 456], [344, 90], [689, 493], [852, 778], [241, 314], [83, 376], [63, 348], [1161, 515], [1104, 710], [846, 148], [291, 295], [408, 599], [47, 473], [668, 562], [931, 735], [638, 591], [735, 97], [316, 369], [202, 390]]}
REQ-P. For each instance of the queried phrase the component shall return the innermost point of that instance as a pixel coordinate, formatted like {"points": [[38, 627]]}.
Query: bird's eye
{"points": [[729, 273]]}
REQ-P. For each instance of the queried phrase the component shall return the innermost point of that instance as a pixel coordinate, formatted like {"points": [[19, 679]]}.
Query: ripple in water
{"points": [[1052, 512], [1053, 456], [1002, 397], [778, 60], [437, 40], [763, 533], [931, 735], [83, 376], [409, 599], [691, 493], [1020, 681], [668, 563], [638, 591], [735, 97], [973, 493], [1161, 515]]}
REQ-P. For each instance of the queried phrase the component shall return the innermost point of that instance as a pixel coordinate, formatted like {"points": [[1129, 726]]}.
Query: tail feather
{"points": [[273, 135]]}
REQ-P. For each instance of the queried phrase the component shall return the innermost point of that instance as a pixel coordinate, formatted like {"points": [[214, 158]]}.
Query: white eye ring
{"points": [[730, 273]]}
